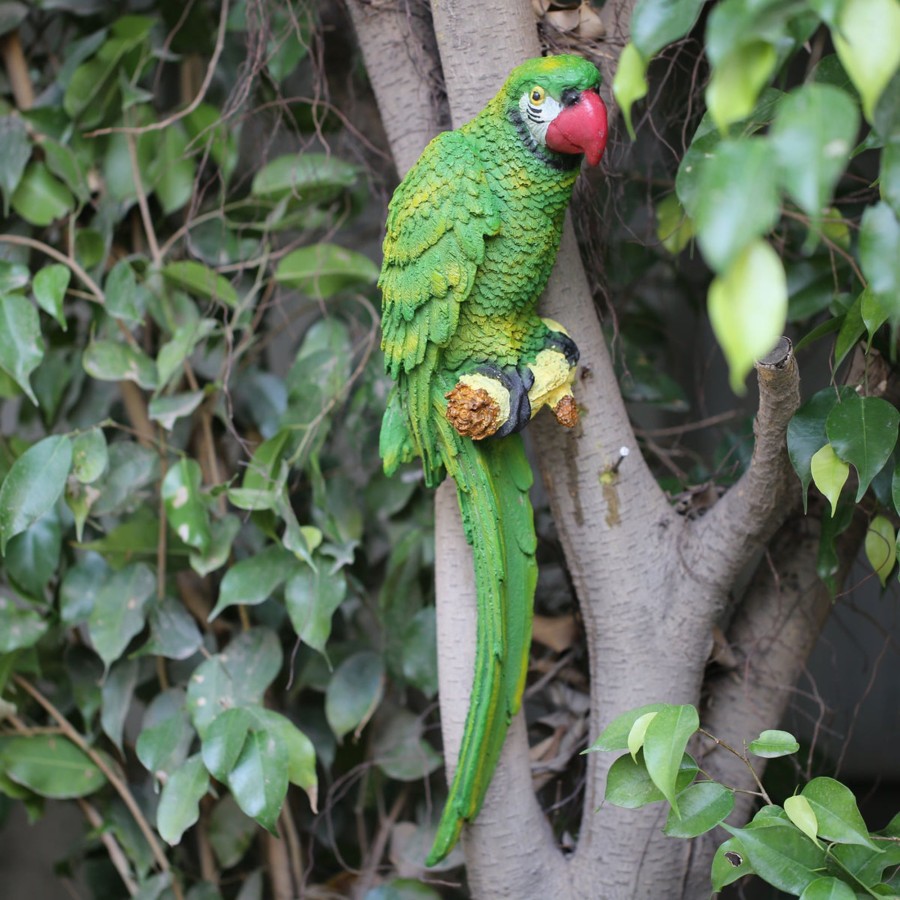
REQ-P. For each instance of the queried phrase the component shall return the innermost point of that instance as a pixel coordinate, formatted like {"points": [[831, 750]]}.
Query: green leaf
{"points": [[881, 547], [729, 864], [615, 735], [41, 198], [863, 432], [15, 151], [638, 733], [262, 472], [179, 803], [737, 80], [780, 854], [238, 676], [173, 631], [629, 785], [172, 354], [673, 227], [852, 329], [34, 484], [801, 814], [230, 832], [311, 596], [748, 309], [116, 694], [322, 270], [259, 779], [32, 557], [90, 456], [630, 84], [866, 45], [702, 807], [119, 610], [828, 889], [657, 23], [737, 202], [399, 749], [207, 129], [354, 692], [50, 765], [168, 410], [829, 473], [160, 744], [201, 281], [837, 813], [13, 276], [113, 361], [806, 434], [813, 133], [19, 628], [664, 745], [305, 178], [185, 504], [121, 293], [21, 345], [224, 739], [253, 580], [772, 743], [879, 254], [222, 535], [49, 288]]}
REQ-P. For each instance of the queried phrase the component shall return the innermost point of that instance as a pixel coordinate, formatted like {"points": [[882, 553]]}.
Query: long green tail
{"points": [[492, 481]]}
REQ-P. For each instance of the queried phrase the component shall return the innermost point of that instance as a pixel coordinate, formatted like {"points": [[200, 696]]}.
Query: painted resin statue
{"points": [[472, 234]]}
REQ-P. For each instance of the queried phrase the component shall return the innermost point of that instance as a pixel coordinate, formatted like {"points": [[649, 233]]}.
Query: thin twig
{"points": [[47, 250], [116, 855], [743, 759]]}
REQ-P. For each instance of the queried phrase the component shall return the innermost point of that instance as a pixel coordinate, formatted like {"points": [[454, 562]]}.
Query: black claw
{"points": [[517, 383], [556, 340]]}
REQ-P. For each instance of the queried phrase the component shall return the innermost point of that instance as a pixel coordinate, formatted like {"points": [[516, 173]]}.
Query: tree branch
{"points": [[719, 545]]}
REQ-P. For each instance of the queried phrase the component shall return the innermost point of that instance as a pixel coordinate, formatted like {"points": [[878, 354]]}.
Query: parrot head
{"points": [[553, 101]]}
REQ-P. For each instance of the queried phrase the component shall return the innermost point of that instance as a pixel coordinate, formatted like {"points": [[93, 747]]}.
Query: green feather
{"points": [[472, 234]]}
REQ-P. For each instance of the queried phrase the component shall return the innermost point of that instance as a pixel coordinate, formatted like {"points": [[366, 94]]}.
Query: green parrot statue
{"points": [[472, 234]]}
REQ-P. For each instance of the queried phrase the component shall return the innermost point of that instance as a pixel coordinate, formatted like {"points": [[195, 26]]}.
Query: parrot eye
{"points": [[537, 95]]}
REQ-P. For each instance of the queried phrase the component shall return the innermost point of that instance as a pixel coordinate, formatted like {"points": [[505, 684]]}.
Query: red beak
{"points": [[580, 128]]}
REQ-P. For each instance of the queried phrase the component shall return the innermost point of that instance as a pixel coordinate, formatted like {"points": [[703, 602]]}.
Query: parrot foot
{"points": [[558, 339], [490, 402]]}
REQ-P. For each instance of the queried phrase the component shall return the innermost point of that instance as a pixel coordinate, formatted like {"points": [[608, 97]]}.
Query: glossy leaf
{"points": [[179, 803], [185, 504], [737, 202], [160, 744], [49, 288], [15, 151], [90, 456], [879, 254], [21, 344], [772, 743], [657, 23], [34, 484], [399, 749], [41, 197], [838, 816], [168, 410], [737, 81], [311, 597], [881, 547], [322, 270], [615, 735], [729, 864], [638, 733], [120, 609], [829, 473], [305, 178], [630, 83], [121, 295], [802, 815], [629, 785], [702, 806], [19, 628], [664, 744], [253, 580], [259, 779], [863, 432], [673, 227], [814, 131], [224, 739], [201, 281], [354, 691], [114, 361], [50, 765], [222, 535], [231, 832], [828, 889], [748, 309], [173, 631], [32, 557], [866, 44]]}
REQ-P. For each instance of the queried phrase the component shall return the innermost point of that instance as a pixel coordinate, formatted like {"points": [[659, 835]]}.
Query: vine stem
{"points": [[118, 784], [53, 253], [762, 791]]}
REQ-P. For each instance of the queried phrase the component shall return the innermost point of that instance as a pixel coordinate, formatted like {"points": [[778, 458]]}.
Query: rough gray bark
{"points": [[651, 584]]}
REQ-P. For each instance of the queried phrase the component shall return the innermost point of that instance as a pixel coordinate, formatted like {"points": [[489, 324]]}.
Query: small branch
{"points": [[279, 867], [175, 117], [116, 854], [17, 69], [118, 785], [136, 410], [721, 543], [720, 743], [366, 878], [20, 241], [144, 207]]}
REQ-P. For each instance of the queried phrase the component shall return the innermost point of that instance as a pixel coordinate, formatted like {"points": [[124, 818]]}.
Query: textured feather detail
{"points": [[491, 477]]}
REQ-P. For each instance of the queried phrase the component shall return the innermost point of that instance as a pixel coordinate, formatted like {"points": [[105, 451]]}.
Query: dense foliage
{"points": [[209, 591]]}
